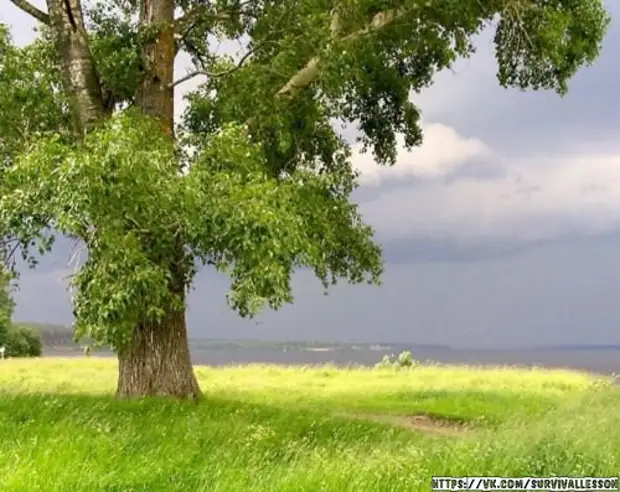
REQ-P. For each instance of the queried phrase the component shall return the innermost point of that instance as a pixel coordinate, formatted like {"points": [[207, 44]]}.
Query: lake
{"points": [[598, 360]]}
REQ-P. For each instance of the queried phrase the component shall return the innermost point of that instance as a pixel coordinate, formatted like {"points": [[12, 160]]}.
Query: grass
{"points": [[266, 428]]}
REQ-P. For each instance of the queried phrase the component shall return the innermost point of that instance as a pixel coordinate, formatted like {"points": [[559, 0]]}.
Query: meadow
{"points": [[277, 428]]}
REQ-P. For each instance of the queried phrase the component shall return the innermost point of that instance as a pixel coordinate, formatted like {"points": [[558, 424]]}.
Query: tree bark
{"points": [[305, 76], [158, 362], [79, 73], [156, 94]]}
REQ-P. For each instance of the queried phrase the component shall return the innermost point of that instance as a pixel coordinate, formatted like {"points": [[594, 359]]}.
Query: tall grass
{"points": [[266, 428]]}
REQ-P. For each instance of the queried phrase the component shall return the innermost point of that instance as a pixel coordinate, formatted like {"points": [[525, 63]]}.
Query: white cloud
{"points": [[442, 152], [536, 199]]}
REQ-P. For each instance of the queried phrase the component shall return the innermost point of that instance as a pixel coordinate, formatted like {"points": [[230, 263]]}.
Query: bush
{"points": [[404, 360], [21, 341]]}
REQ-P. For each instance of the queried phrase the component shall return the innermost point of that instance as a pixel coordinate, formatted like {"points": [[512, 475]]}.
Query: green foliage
{"points": [[117, 190], [115, 41], [259, 227], [404, 360], [31, 102], [541, 45], [258, 182], [124, 178], [6, 306], [366, 74], [22, 341]]}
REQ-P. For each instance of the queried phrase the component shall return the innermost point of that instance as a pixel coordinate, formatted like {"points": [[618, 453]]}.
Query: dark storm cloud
{"points": [[424, 250], [560, 292]]}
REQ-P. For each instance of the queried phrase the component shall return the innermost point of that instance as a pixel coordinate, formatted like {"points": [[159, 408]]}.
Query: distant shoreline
{"points": [[57, 336], [605, 362], [601, 359]]}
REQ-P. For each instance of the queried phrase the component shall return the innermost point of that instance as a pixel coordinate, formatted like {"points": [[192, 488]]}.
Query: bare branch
{"points": [[75, 262], [9, 257], [304, 77], [190, 76], [30, 9], [196, 73]]}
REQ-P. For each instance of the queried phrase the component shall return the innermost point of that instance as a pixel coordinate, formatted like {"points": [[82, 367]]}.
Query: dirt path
{"points": [[420, 423]]}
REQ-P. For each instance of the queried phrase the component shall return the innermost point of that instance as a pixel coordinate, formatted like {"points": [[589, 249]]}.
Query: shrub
{"points": [[404, 360], [21, 341]]}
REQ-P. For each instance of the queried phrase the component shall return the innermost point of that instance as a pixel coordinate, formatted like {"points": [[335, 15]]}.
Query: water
{"points": [[606, 361]]}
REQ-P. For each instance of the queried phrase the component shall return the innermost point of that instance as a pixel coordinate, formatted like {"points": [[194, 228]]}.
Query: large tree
{"points": [[255, 180]]}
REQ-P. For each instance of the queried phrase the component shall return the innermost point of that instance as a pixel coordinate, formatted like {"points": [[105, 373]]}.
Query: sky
{"points": [[501, 230]]}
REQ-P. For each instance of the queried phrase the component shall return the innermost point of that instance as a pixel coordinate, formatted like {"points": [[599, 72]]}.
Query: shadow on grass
{"points": [[26, 413], [96, 443], [341, 415], [472, 408]]}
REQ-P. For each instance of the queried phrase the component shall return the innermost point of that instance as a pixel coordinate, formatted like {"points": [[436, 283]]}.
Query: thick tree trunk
{"points": [[157, 362], [156, 95]]}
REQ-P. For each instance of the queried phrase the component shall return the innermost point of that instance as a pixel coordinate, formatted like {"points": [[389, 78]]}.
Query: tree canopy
{"points": [[255, 179]]}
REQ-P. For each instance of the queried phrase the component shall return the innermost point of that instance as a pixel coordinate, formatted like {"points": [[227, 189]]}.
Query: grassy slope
{"points": [[283, 429]]}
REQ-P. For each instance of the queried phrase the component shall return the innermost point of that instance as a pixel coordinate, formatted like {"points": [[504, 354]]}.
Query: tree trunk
{"points": [[156, 94], [79, 73], [157, 362]]}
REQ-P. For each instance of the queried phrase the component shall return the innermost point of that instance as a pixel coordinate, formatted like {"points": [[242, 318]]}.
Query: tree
{"points": [[6, 307], [255, 181]]}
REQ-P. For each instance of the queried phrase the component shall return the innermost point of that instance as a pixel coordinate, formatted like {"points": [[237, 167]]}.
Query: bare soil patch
{"points": [[427, 424]]}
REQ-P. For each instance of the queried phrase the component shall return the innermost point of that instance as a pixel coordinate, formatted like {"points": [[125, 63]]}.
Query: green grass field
{"points": [[265, 428]]}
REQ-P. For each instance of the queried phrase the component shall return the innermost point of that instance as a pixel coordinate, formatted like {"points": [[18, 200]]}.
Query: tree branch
{"points": [[30, 9], [304, 77], [195, 14], [223, 73], [8, 257], [191, 75]]}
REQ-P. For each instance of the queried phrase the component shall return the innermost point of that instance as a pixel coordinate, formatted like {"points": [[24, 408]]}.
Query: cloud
{"points": [[530, 200], [442, 152]]}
